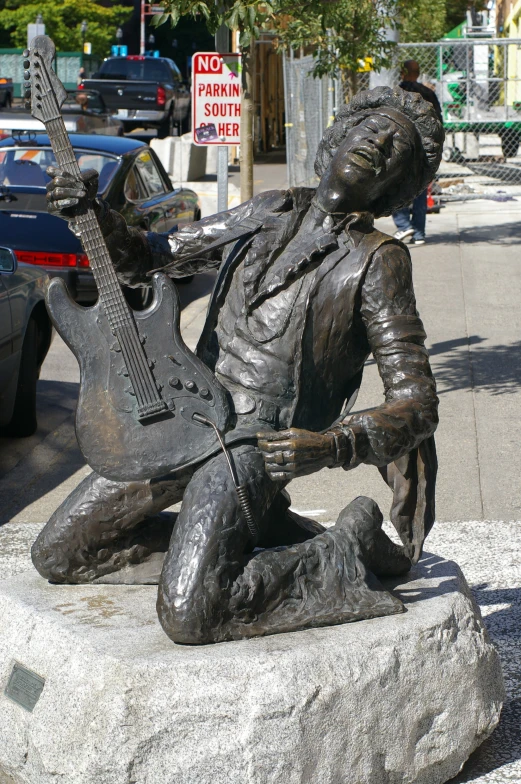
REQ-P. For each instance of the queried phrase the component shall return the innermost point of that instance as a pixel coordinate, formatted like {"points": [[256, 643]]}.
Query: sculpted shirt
{"points": [[252, 341]]}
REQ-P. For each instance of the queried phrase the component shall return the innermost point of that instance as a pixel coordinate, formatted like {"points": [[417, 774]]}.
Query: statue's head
{"points": [[382, 150]]}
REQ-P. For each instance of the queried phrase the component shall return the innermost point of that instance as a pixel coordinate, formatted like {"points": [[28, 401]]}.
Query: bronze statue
{"points": [[307, 289]]}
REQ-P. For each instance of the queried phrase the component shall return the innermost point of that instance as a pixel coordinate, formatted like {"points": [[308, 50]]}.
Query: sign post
{"points": [[216, 102]]}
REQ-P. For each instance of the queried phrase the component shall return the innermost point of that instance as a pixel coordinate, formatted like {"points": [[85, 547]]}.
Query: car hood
{"points": [[26, 225]]}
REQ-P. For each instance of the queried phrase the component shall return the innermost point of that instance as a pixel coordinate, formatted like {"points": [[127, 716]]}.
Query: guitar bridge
{"points": [[151, 410]]}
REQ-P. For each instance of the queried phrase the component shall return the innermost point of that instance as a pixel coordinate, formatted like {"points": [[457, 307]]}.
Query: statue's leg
{"points": [[213, 588], [103, 526]]}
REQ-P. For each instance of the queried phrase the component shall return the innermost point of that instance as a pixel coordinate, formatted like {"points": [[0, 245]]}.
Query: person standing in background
{"points": [[410, 220]]}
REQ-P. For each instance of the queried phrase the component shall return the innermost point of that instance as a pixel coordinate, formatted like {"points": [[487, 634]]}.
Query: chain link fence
{"points": [[478, 84]]}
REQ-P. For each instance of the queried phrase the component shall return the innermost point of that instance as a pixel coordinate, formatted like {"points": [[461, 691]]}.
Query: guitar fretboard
{"points": [[112, 298]]}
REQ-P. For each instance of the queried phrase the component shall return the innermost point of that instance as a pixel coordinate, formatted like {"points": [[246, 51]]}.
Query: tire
{"points": [[166, 128], [23, 422]]}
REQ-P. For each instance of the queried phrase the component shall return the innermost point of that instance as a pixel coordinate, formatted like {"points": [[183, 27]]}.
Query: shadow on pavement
{"points": [[495, 234], [493, 369]]}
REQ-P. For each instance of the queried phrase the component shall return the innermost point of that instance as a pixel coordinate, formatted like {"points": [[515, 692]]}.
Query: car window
{"points": [[149, 174], [27, 166], [151, 70], [134, 190]]}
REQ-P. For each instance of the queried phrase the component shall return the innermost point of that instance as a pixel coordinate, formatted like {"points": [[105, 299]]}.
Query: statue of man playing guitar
{"points": [[307, 289]]}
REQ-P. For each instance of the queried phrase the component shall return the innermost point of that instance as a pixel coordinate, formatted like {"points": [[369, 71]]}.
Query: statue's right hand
{"points": [[69, 196]]}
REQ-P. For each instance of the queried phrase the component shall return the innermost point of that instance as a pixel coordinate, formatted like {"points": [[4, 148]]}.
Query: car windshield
{"points": [[25, 166]]}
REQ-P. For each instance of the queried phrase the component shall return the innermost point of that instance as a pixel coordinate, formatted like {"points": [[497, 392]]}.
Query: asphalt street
{"points": [[468, 286]]}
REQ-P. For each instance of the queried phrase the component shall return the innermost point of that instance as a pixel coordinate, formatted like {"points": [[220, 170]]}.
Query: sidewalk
{"points": [[468, 286]]}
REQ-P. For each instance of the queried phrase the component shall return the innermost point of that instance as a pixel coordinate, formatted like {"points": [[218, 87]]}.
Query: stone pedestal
{"points": [[400, 699]]}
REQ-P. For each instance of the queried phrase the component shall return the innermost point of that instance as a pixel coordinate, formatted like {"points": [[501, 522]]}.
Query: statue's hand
{"points": [[295, 452], [69, 196]]}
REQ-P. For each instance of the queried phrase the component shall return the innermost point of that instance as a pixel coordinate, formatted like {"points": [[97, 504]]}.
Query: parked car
{"points": [[6, 92], [25, 337], [131, 179], [146, 92], [84, 111]]}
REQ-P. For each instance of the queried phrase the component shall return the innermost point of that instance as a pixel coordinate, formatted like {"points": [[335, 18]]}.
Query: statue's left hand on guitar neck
{"points": [[69, 196]]}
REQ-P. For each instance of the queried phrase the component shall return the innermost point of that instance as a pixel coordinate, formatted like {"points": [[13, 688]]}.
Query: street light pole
{"points": [[142, 29], [83, 29]]}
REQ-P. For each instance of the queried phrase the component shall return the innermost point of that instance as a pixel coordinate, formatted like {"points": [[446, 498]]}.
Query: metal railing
{"points": [[478, 84]]}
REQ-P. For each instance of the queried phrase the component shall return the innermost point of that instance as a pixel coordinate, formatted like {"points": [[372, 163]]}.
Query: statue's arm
{"points": [[397, 340], [135, 253]]}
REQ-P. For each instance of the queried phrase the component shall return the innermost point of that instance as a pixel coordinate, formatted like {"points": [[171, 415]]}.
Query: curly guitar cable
{"points": [[241, 490]]}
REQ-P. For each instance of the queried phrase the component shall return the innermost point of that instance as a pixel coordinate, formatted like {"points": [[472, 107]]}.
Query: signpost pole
{"points": [[221, 45]]}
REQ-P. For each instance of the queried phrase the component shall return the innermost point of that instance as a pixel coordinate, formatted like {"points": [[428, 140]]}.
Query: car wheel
{"points": [[166, 128], [23, 422]]}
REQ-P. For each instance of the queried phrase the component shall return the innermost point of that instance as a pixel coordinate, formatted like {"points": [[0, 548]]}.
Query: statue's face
{"points": [[373, 157]]}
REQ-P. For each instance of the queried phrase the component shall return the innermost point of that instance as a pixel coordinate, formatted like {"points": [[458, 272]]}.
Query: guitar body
{"points": [[114, 441]]}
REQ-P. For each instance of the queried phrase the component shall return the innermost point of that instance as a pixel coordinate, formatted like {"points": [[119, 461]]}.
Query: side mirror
{"points": [[8, 261]]}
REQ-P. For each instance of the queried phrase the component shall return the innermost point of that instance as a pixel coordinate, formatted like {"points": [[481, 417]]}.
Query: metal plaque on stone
{"points": [[24, 687]]}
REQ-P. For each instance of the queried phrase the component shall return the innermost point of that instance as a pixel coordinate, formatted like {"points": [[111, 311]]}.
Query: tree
{"points": [[248, 17], [63, 20], [342, 35]]}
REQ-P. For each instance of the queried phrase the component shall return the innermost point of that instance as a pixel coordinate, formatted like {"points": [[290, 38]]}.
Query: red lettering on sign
{"points": [[235, 127], [207, 112]]}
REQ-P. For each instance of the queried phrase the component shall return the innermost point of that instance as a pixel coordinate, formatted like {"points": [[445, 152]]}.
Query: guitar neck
{"points": [[93, 241]]}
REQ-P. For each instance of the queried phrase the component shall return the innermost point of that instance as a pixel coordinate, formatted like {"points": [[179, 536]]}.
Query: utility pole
{"points": [[222, 46]]}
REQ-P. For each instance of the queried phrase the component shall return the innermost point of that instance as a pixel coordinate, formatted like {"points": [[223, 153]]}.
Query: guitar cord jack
{"points": [[241, 490]]}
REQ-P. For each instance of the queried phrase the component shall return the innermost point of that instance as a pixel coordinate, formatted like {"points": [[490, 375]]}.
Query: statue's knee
{"points": [[186, 616]]}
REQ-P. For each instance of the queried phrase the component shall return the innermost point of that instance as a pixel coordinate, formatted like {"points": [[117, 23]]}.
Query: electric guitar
{"points": [[146, 401]]}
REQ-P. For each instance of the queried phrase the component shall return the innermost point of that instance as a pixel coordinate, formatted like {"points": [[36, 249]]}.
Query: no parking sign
{"points": [[216, 98]]}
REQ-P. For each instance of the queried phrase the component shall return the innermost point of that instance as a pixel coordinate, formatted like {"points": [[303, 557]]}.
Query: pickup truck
{"points": [[6, 92], [144, 92]]}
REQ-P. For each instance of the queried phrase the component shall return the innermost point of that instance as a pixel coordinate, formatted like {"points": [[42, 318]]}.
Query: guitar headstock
{"points": [[43, 92]]}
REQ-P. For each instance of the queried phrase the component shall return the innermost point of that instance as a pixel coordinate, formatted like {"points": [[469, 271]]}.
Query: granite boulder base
{"points": [[401, 699]]}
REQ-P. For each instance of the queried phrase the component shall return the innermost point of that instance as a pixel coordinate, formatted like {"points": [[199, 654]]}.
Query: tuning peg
{"points": [[27, 75], [27, 104], [27, 94], [26, 63], [26, 53]]}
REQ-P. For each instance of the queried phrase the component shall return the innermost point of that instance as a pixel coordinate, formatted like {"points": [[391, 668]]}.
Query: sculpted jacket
{"points": [[359, 300]]}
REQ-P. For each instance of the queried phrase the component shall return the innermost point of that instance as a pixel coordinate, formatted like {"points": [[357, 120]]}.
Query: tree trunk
{"points": [[247, 112], [349, 83]]}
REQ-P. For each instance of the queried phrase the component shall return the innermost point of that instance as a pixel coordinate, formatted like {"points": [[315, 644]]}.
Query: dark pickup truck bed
{"points": [[144, 92]]}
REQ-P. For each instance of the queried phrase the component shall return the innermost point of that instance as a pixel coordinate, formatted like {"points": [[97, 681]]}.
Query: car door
{"points": [[154, 189]]}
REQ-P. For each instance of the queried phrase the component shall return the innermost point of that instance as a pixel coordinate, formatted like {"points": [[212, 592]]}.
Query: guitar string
{"points": [[146, 388]]}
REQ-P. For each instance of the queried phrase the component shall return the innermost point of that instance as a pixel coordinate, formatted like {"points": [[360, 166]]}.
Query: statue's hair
{"points": [[429, 140]]}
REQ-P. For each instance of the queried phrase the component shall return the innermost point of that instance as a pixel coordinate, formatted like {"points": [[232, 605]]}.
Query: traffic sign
{"points": [[216, 98]]}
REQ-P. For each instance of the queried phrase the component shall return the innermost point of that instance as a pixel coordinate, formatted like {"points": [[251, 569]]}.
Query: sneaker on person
{"points": [[403, 234], [417, 242]]}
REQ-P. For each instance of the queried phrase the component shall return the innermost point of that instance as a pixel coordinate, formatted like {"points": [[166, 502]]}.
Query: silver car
{"points": [[25, 337], [84, 111]]}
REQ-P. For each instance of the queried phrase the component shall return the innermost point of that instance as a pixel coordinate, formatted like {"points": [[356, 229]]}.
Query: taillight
{"points": [[44, 259], [81, 86], [161, 96], [135, 57]]}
